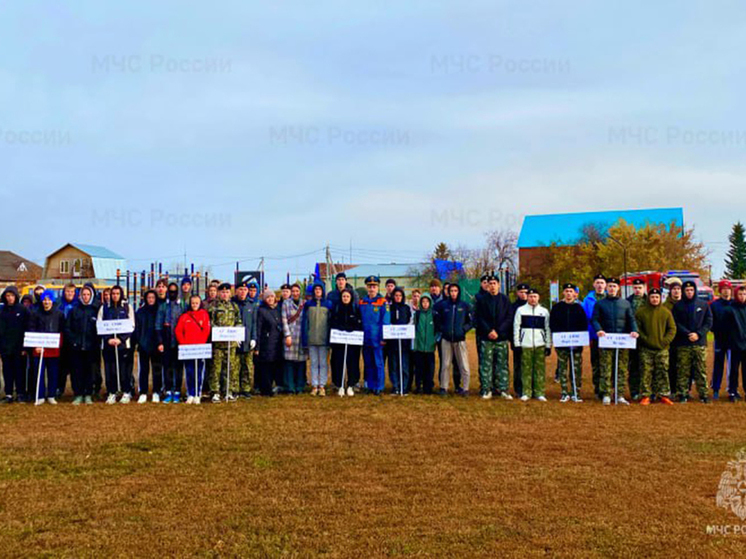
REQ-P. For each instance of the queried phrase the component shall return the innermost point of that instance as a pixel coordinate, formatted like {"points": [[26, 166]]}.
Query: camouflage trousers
{"points": [[219, 372], [691, 362], [245, 371], [654, 368], [565, 368], [493, 366], [607, 362], [533, 369]]}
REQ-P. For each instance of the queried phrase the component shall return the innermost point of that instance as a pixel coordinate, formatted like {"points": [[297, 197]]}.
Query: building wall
{"points": [[408, 283], [53, 266]]}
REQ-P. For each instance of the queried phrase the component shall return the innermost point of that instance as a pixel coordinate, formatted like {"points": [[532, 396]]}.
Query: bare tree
{"points": [[503, 246]]}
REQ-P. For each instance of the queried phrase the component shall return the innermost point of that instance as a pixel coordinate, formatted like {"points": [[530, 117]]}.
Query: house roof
{"points": [[104, 261], [567, 229], [95, 251], [10, 262]]}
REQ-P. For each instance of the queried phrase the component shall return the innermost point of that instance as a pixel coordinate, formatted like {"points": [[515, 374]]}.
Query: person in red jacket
{"points": [[193, 327]]}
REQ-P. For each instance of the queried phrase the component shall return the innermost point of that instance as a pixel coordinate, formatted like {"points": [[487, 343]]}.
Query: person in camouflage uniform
{"points": [[637, 300], [568, 316], [245, 350], [657, 330], [224, 313], [613, 315], [494, 318], [693, 321]]}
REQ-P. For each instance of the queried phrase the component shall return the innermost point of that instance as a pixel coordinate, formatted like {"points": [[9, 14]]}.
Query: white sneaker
{"points": [[542, 398], [216, 398], [576, 399], [112, 399], [341, 392], [525, 398], [622, 401], [564, 399], [156, 398], [190, 400], [487, 396], [126, 398], [230, 398], [39, 402], [52, 401], [506, 396], [350, 391], [197, 400], [606, 401], [142, 399]]}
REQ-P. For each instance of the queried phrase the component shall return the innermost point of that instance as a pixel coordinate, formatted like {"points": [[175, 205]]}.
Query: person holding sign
{"points": [[80, 332], [613, 315], [453, 321], [224, 313], [194, 328], [315, 337], [693, 321], [346, 317], [398, 352], [532, 334], [657, 330], [494, 319], [117, 348], [49, 320], [14, 319], [568, 316], [375, 314], [269, 336]]}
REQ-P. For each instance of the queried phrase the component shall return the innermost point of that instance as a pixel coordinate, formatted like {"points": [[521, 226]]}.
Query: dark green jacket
{"points": [[424, 325], [656, 327]]}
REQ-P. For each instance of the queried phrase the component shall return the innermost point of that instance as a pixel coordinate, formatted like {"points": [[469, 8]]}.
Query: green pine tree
{"points": [[735, 261]]}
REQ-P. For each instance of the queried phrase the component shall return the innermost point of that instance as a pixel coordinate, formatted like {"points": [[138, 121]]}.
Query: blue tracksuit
{"points": [[375, 314]]}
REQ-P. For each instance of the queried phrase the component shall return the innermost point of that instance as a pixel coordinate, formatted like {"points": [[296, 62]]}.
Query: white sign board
{"points": [[111, 327], [617, 341], [195, 351], [398, 332], [40, 339], [349, 338], [570, 339], [229, 334]]}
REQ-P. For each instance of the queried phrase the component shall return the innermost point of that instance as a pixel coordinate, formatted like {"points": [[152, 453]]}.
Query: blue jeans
{"points": [[295, 376], [319, 364], [49, 368], [190, 370], [394, 364]]}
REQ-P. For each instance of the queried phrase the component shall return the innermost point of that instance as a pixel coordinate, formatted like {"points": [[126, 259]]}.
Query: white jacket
{"points": [[531, 327]]}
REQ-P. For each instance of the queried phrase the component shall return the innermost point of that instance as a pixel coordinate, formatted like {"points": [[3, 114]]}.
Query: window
{"points": [[64, 266]]}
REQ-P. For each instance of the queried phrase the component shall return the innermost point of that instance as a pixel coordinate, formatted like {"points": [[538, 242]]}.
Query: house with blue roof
{"points": [[76, 261], [540, 233]]}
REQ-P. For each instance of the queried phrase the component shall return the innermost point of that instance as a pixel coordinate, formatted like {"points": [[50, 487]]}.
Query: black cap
{"points": [[655, 291], [521, 286], [485, 277], [285, 286], [340, 275], [689, 283], [637, 281], [569, 286], [613, 280], [599, 276], [372, 279], [241, 284], [224, 286], [533, 291]]}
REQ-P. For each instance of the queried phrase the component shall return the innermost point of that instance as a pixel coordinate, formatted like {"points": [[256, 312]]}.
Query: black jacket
{"points": [[734, 323], [50, 322], [494, 312], [145, 335], [346, 317], [80, 327], [719, 308], [614, 315], [568, 317], [400, 313], [14, 321], [269, 335], [691, 315], [453, 319]]}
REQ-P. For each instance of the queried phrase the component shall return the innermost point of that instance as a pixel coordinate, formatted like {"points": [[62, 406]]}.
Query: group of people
{"points": [[284, 336]]}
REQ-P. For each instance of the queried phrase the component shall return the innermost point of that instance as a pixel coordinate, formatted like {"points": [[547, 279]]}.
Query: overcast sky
{"points": [[240, 129]]}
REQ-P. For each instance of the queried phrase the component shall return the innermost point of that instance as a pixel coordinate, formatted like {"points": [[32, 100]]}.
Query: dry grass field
{"points": [[367, 477]]}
